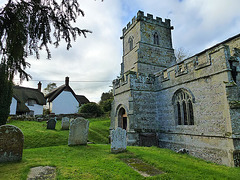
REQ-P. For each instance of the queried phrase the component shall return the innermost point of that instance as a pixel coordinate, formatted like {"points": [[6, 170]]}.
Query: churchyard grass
{"points": [[95, 161], [37, 135]]}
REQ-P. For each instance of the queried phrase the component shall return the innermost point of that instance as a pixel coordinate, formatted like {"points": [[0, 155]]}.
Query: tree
{"points": [[27, 26], [91, 108], [105, 96], [49, 88], [106, 101], [5, 95], [181, 54]]}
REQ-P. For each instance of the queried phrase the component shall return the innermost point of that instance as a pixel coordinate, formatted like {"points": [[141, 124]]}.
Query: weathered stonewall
{"points": [[51, 124], [78, 132], [65, 123], [11, 143], [119, 140]]}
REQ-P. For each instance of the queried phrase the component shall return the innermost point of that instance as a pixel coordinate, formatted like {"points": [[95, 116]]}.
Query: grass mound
{"points": [[37, 135], [95, 161]]}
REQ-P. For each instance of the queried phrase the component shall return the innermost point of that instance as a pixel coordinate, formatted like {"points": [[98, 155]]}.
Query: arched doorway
{"points": [[122, 119]]}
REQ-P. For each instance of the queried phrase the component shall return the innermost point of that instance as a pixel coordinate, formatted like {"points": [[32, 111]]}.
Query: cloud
{"points": [[198, 24]]}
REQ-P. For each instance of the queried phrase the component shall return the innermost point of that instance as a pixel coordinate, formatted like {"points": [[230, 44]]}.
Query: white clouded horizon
{"points": [[198, 24]]}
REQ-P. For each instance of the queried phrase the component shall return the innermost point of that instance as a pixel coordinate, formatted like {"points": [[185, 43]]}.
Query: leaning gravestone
{"points": [[65, 123], [78, 132], [51, 124], [11, 143], [118, 140]]}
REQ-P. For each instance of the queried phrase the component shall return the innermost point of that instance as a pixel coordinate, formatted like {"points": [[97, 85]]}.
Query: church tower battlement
{"points": [[147, 45]]}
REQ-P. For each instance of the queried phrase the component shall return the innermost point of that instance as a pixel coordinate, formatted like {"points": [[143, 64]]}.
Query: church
{"points": [[193, 104]]}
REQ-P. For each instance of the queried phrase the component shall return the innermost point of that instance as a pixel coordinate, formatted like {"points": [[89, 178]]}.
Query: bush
{"points": [[107, 105], [91, 108]]}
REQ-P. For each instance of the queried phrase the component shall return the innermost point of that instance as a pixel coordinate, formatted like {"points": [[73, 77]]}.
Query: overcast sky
{"points": [[198, 24]]}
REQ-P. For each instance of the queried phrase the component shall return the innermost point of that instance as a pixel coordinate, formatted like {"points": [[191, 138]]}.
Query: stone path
{"points": [[142, 168], [42, 172]]}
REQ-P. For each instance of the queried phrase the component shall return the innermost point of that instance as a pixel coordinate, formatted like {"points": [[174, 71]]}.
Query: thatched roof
{"points": [[23, 94], [82, 99], [53, 94]]}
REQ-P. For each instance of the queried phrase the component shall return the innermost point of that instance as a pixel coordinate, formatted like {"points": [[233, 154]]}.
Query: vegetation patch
{"points": [[95, 161], [141, 167]]}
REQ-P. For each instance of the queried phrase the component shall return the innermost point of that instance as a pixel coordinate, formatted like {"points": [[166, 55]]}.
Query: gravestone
{"points": [[118, 140], [11, 143], [51, 124], [65, 123], [78, 132]]}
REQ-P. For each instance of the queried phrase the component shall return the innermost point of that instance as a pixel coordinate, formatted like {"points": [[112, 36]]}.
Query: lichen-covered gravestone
{"points": [[51, 124], [118, 140], [65, 123], [78, 132], [11, 143]]}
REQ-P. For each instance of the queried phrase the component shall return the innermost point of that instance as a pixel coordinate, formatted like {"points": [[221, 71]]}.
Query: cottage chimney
{"points": [[39, 86], [67, 81]]}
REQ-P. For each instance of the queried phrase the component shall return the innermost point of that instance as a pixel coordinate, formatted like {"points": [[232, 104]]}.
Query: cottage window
{"points": [[31, 102], [156, 38], [130, 42], [183, 102]]}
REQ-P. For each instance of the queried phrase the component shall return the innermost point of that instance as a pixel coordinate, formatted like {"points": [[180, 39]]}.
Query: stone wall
{"points": [[151, 80]]}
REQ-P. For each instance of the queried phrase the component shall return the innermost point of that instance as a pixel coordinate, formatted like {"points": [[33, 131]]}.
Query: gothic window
{"points": [[179, 114], [234, 71], [183, 103], [130, 42], [156, 38]]}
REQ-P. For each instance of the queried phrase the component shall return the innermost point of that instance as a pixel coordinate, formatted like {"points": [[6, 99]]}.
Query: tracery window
{"points": [[156, 38], [183, 107], [130, 42]]}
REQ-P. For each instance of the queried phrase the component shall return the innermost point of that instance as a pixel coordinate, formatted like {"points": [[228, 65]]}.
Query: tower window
{"points": [[130, 42], [182, 101], [156, 38]]}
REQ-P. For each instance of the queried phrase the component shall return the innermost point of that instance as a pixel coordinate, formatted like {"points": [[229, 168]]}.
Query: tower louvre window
{"points": [[156, 38], [182, 101], [130, 42]]}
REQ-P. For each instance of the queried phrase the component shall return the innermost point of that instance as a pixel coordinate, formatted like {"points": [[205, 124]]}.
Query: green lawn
{"points": [[37, 135], [95, 161]]}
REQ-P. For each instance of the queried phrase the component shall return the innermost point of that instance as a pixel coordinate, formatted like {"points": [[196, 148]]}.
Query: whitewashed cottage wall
{"points": [[13, 107], [65, 103]]}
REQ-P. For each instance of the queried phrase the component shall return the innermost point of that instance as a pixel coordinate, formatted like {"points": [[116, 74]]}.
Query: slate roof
{"points": [[53, 94], [23, 94]]}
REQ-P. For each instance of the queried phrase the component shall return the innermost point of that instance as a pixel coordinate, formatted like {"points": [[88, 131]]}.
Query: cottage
{"points": [[63, 100], [27, 101]]}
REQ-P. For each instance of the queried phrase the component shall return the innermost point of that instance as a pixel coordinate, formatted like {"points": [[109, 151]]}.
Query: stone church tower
{"points": [[147, 49], [193, 104], [147, 45]]}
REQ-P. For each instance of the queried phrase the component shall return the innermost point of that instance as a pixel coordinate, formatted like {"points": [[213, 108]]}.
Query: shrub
{"points": [[91, 108], [107, 105]]}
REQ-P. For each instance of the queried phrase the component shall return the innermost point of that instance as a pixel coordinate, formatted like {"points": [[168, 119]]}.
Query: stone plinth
{"points": [[51, 124], [11, 143], [119, 140], [65, 123], [78, 132]]}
